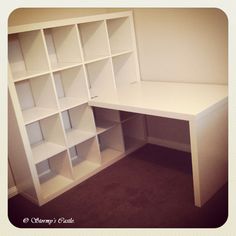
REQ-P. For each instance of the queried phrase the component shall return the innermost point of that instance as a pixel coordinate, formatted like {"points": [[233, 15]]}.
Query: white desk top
{"points": [[183, 101]]}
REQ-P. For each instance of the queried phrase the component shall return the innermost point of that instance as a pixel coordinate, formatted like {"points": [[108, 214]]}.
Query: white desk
{"points": [[203, 105]]}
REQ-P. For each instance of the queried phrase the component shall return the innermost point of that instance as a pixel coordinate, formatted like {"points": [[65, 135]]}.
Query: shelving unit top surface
{"points": [[184, 101], [67, 21]]}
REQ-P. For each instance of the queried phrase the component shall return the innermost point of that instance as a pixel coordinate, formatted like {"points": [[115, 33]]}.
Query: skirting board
{"points": [[12, 192], [169, 144]]}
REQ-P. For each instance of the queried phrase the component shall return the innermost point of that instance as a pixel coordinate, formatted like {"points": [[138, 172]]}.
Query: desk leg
{"points": [[209, 149]]}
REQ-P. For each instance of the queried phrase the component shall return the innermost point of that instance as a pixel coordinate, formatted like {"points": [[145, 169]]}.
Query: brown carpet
{"points": [[151, 188]]}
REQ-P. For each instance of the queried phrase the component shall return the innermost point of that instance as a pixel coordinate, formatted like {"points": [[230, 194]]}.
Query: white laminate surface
{"points": [[174, 100]]}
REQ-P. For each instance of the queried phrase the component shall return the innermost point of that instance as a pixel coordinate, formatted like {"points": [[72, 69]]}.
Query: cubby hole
{"points": [[94, 40], [125, 115], [134, 131], [105, 119], [78, 124], [54, 174], [63, 46], [46, 138], [119, 31], [100, 77], [37, 98], [111, 144], [27, 55], [125, 69], [85, 157], [71, 87]]}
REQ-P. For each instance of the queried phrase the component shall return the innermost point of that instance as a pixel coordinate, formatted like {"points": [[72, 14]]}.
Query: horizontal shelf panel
{"points": [[109, 154], [70, 102], [53, 184], [76, 136], [104, 125], [65, 65], [96, 59], [120, 53], [84, 168], [23, 75], [37, 113], [45, 150]]}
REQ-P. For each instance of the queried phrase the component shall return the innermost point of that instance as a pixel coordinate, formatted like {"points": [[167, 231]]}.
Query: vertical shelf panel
{"points": [[37, 98], [111, 144], [27, 55], [79, 124], [55, 175], [85, 158], [100, 77], [71, 87], [125, 69], [134, 132], [94, 40], [119, 31], [63, 46], [46, 138]]}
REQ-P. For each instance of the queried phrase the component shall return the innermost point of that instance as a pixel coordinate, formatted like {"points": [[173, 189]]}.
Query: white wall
{"points": [[187, 45]]}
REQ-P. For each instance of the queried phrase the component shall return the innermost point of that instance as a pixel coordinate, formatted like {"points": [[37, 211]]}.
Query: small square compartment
{"points": [[55, 174], [63, 46], [94, 40], [27, 55], [105, 119], [85, 158], [46, 138], [119, 31], [71, 87], [111, 144], [78, 124], [100, 77], [37, 98], [125, 115], [134, 131], [125, 69]]}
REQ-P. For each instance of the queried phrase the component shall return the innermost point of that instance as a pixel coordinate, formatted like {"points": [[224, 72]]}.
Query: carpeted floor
{"points": [[151, 188]]}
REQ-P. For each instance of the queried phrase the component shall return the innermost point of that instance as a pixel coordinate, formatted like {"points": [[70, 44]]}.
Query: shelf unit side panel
{"points": [[15, 55], [19, 153]]}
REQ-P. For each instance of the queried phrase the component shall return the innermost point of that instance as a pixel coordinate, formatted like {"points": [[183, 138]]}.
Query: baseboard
{"points": [[169, 144], [12, 192]]}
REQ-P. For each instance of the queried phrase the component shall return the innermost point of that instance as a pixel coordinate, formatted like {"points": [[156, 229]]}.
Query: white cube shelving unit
{"points": [[55, 68]]}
